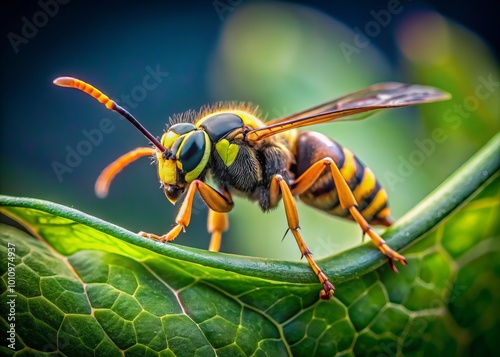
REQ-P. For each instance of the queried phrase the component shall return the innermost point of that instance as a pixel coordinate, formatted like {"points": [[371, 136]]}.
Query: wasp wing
{"points": [[354, 106]]}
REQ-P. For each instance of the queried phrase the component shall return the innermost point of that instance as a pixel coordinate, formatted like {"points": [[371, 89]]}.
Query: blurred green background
{"points": [[283, 56]]}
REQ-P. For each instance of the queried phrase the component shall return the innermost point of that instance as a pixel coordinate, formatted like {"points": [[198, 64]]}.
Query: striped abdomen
{"points": [[311, 147]]}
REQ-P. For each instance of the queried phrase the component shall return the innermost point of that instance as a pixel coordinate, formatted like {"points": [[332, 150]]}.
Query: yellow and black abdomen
{"points": [[311, 147]]}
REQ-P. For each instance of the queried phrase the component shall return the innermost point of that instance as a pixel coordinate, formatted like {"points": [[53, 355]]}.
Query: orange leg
{"points": [[217, 223], [113, 169], [347, 201], [215, 200], [278, 185]]}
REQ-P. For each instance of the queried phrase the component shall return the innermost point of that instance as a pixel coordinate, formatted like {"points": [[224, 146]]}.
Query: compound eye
{"points": [[175, 132], [192, 150], [193, 154]]}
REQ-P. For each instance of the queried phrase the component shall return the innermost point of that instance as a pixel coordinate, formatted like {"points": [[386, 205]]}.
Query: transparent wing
{"points": [[354, 106]]}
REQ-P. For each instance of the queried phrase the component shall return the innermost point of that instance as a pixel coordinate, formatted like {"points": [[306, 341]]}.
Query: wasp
{"points": [[267, 162]]}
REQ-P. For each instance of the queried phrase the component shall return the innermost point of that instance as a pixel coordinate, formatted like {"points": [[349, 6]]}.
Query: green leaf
{"points": [[85, 286]]}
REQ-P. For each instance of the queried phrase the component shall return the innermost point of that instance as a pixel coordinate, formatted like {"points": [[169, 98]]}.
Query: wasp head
{"points": [[184, 160]]}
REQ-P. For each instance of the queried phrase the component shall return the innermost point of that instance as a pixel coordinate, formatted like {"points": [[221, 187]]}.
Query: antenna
{"points": [[71, 82]]}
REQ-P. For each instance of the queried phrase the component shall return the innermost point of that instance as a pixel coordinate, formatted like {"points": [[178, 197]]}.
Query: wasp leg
{"points": [[217, 223], [215, 200], [347, 201], [113, 169], [278, 185]]}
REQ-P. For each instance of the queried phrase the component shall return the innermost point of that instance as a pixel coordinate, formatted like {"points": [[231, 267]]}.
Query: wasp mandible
{"points": [[267, 162]]}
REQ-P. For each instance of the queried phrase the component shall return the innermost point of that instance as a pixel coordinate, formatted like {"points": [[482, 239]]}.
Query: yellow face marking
{"points": [[348, 170], [227, 151], [168, 138], [379, 200], [166, 169], [366, 185]]}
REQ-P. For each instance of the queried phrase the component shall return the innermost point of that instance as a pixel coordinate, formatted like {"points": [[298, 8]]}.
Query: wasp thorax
{"points": [[188, 152]]}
